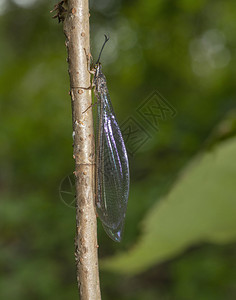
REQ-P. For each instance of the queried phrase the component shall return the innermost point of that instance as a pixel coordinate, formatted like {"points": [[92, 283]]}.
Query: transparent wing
{"points": [[112, 176]]}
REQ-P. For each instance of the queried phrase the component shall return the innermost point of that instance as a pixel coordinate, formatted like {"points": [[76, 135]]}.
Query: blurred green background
{"points": [[179, 239]]}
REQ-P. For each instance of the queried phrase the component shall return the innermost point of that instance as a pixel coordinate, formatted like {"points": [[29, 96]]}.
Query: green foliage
{"points": [[200, 208]]}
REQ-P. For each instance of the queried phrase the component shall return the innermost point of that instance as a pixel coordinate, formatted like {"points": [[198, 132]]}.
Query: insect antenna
{"points": [[106, 40]]}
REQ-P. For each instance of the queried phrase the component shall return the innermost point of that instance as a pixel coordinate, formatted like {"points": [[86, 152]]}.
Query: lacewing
{"points": [[112, 166]]}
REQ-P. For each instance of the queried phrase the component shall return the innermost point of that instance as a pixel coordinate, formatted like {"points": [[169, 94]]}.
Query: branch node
{"points": [[61, 9]]}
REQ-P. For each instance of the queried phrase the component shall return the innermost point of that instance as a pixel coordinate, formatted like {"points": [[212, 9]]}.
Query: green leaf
{"points": [[200, 208]]}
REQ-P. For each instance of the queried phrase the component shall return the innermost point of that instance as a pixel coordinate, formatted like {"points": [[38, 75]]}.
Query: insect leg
{"points": [[93, 104], [88, 57]]}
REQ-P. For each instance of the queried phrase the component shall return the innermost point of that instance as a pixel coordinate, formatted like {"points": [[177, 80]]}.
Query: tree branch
{"points": [[76, 29]]}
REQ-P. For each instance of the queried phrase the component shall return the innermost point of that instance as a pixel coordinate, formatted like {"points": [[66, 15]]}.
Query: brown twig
{"points": [[76, 29]]}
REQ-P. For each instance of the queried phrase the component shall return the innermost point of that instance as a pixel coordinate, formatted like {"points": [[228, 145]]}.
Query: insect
{"points": [[112, 166]]}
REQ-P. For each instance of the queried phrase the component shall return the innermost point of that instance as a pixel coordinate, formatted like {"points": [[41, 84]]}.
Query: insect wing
{"points": [[112, 171]]}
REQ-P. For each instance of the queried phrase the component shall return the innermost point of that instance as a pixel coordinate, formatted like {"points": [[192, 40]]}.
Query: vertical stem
{"points": [[76, 29]]}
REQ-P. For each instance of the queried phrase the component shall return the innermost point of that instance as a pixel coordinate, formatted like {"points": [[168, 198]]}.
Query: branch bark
{"points": [[76, 29]]}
